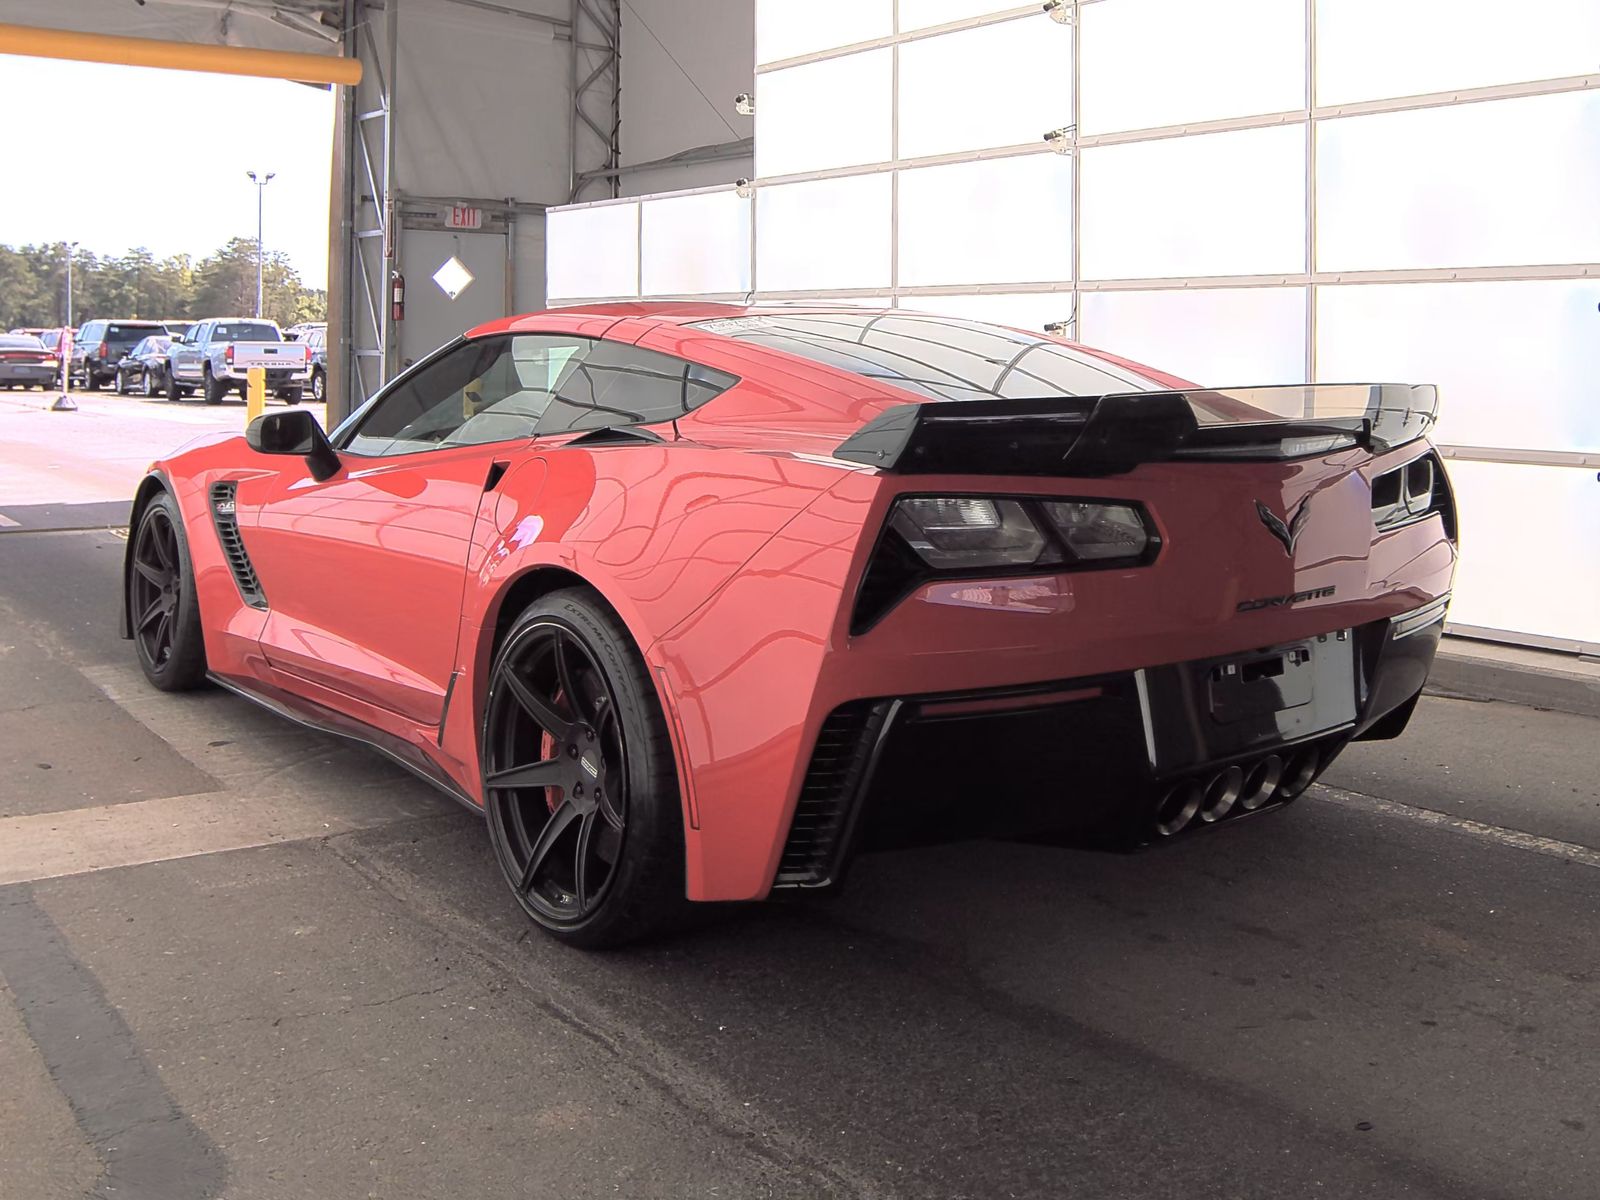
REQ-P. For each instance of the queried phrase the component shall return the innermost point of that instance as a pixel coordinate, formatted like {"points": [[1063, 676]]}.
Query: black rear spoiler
{"points": [[1108, 435]]}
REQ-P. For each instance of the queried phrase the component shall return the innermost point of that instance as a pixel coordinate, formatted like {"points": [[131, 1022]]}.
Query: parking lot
{"points": [[242, 959]]}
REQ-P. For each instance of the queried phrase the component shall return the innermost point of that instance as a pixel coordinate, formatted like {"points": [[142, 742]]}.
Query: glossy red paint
{"points": [[732, 551]]}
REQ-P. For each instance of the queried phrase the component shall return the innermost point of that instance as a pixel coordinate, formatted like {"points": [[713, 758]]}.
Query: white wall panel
{"points": [[1218, 204], [1517, 363], [1528, 538], [592, 251], [1022, 310], [833, 113], [1222, 337], [1367, 49], [826, 234], [1491, 184], [789, 28], [919, 14], [695, 244], [1170, 62], [938, 115], [997, 220]]}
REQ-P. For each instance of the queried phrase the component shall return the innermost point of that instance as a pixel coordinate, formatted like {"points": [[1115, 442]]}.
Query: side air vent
{"points": [[893, 572], [828, 798], [223, 500]]}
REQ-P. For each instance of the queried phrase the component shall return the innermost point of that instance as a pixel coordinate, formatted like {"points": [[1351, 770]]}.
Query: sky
{"points": [[218, 126]]}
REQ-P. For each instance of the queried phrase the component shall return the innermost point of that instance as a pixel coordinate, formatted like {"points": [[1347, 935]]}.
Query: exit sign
{"points": [[461, 216]]}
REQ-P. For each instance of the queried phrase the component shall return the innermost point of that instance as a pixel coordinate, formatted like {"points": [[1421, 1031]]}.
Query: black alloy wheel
{"points": [[163, 609], [319, 386], [579, 783]]}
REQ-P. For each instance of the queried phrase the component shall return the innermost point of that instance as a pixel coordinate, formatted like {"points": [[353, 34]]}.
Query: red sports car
{"points": [[696, 601]]}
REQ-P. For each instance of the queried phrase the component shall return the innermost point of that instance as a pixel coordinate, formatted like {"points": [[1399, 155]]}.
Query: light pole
{"points": [[261, 190], [71, 246]]}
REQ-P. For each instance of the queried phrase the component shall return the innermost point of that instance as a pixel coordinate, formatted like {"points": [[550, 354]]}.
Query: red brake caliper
{"points": [[548, 749]]}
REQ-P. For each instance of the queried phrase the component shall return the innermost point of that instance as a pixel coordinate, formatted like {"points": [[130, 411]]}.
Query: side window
{"points": [[469, 396], [610, 384], [523, 385]]}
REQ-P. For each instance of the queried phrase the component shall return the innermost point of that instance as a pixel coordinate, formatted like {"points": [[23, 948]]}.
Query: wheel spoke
{"points": [[161, 639], [153, 573], [608, 811], [549, 773], [158, 607], [580, 870], [569, 682], [158, 547], [541, 710], [554, 828]]}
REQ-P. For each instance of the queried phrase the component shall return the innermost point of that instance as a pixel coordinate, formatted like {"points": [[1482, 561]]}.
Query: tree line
{"points": [[33, 286]]}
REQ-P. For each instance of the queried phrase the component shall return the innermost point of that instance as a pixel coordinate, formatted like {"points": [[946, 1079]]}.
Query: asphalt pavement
{"points": [[240, 959]]}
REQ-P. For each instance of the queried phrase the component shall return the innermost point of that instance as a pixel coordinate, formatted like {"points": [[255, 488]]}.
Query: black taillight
{"points": [[1410, 493]]}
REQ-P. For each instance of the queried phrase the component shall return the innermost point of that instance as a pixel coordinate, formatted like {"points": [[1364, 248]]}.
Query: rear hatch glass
{"points": [[245, 331], [127, 335]]}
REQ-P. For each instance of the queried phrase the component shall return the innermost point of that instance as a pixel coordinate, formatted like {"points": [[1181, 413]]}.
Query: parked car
{"points": [[50, 337], [301, 332], [25, 361], [699, 601], [99, 346], [317, 341], [205, 355], [144, 368]]}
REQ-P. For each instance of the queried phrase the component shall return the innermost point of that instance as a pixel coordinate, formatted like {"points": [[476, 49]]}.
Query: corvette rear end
{"points": [[1118, 620]]}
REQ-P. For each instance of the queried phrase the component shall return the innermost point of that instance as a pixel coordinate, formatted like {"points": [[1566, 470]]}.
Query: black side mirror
{"points": [[294, 432]]}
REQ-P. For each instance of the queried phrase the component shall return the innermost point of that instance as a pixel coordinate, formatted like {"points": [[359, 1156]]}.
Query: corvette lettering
{"points": [[1283, 601]]}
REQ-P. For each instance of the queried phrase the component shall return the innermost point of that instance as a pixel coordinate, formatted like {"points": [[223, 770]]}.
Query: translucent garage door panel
{"points": [[938, 114], [1373, 49], [1022, 310], [919, 14], [834, 113], [831, 233], [1529, 558], [1498, 183], [789, 28], [592, 252], [1219, 204], [1171, 62], [693, 244], [1004, 220], [1221, 337], [1516, 363]]}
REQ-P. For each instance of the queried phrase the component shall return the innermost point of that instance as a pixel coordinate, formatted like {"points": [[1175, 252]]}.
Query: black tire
{"points": [[291, 396], [319, 385], [162, 606], [174, 392], [147, 387], [570, 644], [213, 389], [91, 382]]}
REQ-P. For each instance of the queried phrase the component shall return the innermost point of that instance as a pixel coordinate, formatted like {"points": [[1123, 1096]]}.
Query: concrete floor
{"points": [[238, 959]]}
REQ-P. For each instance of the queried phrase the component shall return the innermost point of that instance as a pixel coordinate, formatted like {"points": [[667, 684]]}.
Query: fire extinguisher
{"points": [[397, 295]]}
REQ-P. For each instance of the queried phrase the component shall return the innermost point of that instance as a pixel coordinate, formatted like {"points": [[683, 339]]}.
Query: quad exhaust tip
{"points": [[1243, 788]]}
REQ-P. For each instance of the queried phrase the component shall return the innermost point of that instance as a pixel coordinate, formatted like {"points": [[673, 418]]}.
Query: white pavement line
{"points": [[1514, 838], [51, 845], [7, 523]]}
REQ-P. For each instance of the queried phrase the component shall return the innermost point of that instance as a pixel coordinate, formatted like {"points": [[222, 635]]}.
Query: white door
{"points": [[432, 317]]}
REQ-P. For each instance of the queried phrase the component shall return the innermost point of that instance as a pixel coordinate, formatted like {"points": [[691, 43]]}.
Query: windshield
{"points": [[945, 358], [127, 335], [245, 331]]}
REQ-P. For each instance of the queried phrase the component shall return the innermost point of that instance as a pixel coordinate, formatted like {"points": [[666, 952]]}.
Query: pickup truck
{"points": [[214, 356]]}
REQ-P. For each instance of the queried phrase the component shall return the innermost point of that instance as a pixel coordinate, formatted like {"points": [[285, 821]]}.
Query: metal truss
{"points": [[596, 88]]}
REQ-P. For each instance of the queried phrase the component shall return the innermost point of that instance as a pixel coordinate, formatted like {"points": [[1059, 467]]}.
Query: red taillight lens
{"points": [[102, 351], [228, 354]]}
